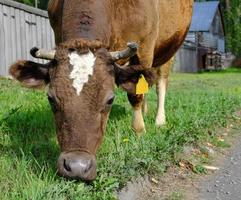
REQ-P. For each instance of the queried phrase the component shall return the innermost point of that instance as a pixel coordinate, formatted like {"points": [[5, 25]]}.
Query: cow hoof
{"points": [[139, 128], [160, 122], [139, 131]]}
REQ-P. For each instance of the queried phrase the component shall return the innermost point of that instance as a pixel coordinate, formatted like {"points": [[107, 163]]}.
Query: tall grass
{"points": [[196, 104]]}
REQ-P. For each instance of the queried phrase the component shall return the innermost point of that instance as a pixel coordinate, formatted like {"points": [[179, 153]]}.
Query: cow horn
{"points": [[42, 53], [126, 53]]}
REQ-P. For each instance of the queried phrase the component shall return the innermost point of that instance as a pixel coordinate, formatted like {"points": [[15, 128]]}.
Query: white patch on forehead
{"points": [[83, 67]]}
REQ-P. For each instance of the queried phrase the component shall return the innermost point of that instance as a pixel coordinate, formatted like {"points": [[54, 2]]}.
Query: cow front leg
{"points": [[161, 94], [161, 88], [137, 121], [145, 105]]}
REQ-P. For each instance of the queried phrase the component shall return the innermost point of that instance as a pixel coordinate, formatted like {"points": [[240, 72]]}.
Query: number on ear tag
{"points": [[142, 86]]}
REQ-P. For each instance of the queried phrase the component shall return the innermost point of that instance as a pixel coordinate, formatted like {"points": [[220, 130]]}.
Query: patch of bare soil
{"points": [[150, 188], [180, 183]]}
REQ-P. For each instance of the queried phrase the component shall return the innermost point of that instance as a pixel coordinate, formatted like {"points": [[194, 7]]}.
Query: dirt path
{"points": [[222, 184], [225, 184]]}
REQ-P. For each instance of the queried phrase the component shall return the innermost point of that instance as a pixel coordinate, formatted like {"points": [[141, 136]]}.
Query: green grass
{"points": [[196, 105]]}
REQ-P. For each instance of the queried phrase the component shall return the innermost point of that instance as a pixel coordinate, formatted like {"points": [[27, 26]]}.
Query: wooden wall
{"points": [[21, 28], [186, 60]]}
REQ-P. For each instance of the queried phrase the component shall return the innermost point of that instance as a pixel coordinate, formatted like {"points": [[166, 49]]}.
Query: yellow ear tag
{"points": [[142, 86]]}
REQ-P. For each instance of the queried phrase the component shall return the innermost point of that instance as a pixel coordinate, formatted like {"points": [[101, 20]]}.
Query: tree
{"points": [[28, 2], [42, 4], [232, 15]]}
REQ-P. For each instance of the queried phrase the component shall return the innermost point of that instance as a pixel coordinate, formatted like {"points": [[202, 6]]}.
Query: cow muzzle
{"points": [[77, 165]]}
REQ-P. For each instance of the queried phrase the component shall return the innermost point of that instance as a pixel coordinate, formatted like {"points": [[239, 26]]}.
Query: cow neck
{"points": [[86, 19]]}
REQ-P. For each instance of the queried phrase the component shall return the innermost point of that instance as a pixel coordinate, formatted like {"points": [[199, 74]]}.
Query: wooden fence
{"points": [[21, 28]]}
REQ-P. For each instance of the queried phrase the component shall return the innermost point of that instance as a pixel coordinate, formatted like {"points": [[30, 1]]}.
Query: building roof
{"points": [[203, 15]]}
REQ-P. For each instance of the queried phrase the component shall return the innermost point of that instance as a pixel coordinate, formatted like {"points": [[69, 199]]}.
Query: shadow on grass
{"points": [[31, 133], [117, 112]]}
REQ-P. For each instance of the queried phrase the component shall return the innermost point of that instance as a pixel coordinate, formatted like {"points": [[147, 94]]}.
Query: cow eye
{"points": [[110, 101], [108, 104]]}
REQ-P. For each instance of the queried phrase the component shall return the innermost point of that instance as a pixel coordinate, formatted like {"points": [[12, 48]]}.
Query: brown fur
{"points": [[135, 100], [156, 25], [75, 113], [82, 44]]}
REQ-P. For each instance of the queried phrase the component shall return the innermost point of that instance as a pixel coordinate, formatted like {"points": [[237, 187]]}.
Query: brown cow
{"points": [[83, 72]]}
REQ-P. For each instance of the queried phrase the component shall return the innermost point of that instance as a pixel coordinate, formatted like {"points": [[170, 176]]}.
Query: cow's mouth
{"points": [[77, 165]]}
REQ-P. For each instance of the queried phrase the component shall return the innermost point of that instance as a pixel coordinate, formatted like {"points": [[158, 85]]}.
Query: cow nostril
{"points": [[77, 165], [66, 166], [88, 166]]}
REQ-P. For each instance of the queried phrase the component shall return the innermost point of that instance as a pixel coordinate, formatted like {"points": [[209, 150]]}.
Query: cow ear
{"points": [[30, 74], [128, 86], [128, 77]]}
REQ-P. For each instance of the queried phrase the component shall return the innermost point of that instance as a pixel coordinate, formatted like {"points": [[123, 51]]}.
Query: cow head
{"points": [[81, 77]]}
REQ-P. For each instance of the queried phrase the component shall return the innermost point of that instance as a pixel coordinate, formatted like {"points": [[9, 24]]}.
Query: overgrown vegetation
{"points": [[196, 105], [232, 15], [231, 11]]}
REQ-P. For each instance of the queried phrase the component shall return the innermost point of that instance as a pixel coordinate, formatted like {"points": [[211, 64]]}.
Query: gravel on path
{"points": [[226, 183]]}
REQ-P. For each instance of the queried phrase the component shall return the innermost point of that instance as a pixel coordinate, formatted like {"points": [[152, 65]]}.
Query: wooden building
{"points": [[21, 28], [205, 41]]}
